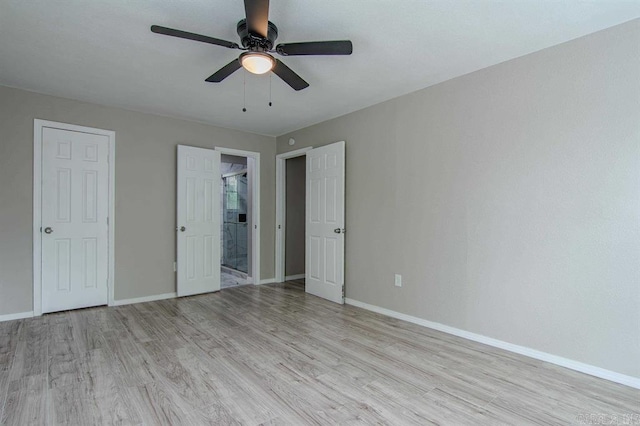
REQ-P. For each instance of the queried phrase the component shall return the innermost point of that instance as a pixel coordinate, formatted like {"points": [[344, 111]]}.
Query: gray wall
{"points": [[509, 200], [145, 191], [295, 238]]}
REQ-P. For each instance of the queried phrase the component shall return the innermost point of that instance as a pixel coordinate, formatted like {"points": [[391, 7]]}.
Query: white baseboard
{"points": [[592, 370], [294, 277], [267, 281], [144, 299], [19, 315]]}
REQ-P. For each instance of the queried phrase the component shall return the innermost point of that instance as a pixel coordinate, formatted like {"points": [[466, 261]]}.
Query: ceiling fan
{"points": [[258, 35]]}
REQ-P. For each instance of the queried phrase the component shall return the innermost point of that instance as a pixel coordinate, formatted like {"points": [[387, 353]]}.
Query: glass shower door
{"points": [[235, 236]]}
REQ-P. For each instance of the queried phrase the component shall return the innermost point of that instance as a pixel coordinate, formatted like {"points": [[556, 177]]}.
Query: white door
{"points": [[325, 222], [198, 224], [75, 205]]}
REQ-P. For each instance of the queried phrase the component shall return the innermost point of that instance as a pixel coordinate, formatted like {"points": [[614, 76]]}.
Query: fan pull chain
{"points": [[244, 92], [270, 74]]}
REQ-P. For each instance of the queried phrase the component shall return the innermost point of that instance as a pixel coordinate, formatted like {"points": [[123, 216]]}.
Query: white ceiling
{"points": [[103, 51]]}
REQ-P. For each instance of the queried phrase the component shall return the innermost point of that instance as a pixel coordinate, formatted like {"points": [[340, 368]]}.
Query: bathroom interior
{"points": [[235, 205]]}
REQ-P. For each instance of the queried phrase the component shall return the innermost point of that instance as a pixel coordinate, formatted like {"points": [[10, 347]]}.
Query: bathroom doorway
{"points": [[235, 241]]}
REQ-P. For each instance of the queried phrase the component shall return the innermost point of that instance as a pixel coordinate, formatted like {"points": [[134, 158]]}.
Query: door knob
{"points": [[48, 230], [182, 229]]}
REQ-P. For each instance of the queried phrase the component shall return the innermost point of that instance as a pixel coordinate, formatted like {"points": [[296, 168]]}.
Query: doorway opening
{"points": [[324, 225], [290, 216], [234, 232], [239, 217], [294, 253]]}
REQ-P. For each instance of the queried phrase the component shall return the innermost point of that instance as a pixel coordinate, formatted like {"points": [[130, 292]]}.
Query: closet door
{"points": [[75, 230]]}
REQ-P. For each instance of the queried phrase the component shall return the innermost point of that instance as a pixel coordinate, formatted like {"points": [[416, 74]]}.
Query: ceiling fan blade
{"points": [[289, 77], [224, 72], [337, 47], [191, 36], [257, 12]]}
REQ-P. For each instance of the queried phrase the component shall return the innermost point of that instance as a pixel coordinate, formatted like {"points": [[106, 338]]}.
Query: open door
{"points": [[198, 220], [325, 222]]}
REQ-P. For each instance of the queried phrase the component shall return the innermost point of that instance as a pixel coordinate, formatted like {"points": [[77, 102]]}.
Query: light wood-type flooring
{"points": [[273, 355]]}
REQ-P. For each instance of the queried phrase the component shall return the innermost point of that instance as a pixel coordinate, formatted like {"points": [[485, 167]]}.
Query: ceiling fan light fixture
{"points": [[257, 62]]}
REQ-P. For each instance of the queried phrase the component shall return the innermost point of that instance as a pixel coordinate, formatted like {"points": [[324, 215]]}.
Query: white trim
{"points": [[592, 370], [254, 157], [267, 281], [236, 152], [37, 217], [294, 277], [16, 316], [145, 299], [38, 125], [281, 207]]}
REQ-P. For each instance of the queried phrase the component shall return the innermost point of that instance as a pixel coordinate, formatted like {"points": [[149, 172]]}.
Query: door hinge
{"points": [[255, 226], [279, 227], [107, 220]]}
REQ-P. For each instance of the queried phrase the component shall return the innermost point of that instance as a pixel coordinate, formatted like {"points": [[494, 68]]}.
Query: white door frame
{"points": [[255, 206], [281, 208], [38, 126]]}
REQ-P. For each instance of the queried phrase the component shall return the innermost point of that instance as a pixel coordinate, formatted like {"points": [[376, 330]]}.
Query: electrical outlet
{"points": [[175, 266], [398, 281]]}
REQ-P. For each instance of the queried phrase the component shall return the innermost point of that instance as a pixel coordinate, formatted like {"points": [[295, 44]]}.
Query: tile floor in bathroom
{"points": [[228, 280]]}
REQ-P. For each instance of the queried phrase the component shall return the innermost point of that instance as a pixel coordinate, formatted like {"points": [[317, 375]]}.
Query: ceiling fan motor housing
{"points": [[255, 42]]}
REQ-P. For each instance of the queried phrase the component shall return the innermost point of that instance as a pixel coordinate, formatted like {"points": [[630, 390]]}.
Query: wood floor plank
{"points": [[99, 395], [32, 349], [373, 406], [158, 406], [4, 388], [87, 330], [9, 336], [26, 402], [64, 359], [125, 357], [382, 365], [304, 402], [193, 392], [134, 323], [275, 355], [215, 397], [444, 408], [251, 404]]}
